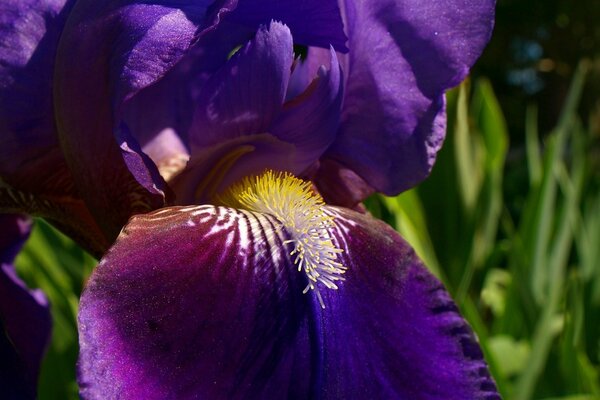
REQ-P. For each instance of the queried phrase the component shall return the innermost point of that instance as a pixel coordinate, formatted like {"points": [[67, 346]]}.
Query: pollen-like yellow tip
{"points": [[300, 211]]}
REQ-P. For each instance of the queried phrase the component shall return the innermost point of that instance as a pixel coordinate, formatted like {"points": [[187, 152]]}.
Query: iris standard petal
{"points": [[404, 55], [221, 314], [310, 120], [245, 96], [119, 48], [312, 22], [25, 321], [230, 132], [174, 97]]}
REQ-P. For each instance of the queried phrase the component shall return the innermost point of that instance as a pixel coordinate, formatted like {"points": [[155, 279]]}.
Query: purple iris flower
{"points": [[140, 130], [166, 104], [207, 302]]}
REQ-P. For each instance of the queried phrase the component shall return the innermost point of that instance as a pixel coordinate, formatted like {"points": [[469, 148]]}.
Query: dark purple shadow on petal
{"points": [[312, 22], [340, 185], [403, 56], [25, 321], [392, 326]]}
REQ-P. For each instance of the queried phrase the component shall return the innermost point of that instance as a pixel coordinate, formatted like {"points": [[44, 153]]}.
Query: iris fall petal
{"points": [[205, 302]]}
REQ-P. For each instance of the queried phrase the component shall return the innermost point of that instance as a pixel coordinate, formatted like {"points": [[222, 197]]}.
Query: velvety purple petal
{"points": [[246, 95], [310, 120], [392, 326], [183, 315], [312, 22], [403, 56], [120, 49], [25, 321], [205, 302]]}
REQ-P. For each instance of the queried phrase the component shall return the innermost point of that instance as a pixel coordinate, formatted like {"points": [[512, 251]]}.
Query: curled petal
{"points": [[404, 55], [221, 314], [120, 48], [25, 321]]}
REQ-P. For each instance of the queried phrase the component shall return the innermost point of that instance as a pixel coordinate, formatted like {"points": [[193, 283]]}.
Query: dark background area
{"points": [[533, 54]]}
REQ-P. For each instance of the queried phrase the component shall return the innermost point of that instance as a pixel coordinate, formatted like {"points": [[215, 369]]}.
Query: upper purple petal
{"points": [[245, 96], [312, 22], [119, 48], [310, 120], [29, 33], [221, 314], [242, 104], [403, 56], [25, 321], [174, 98]]}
